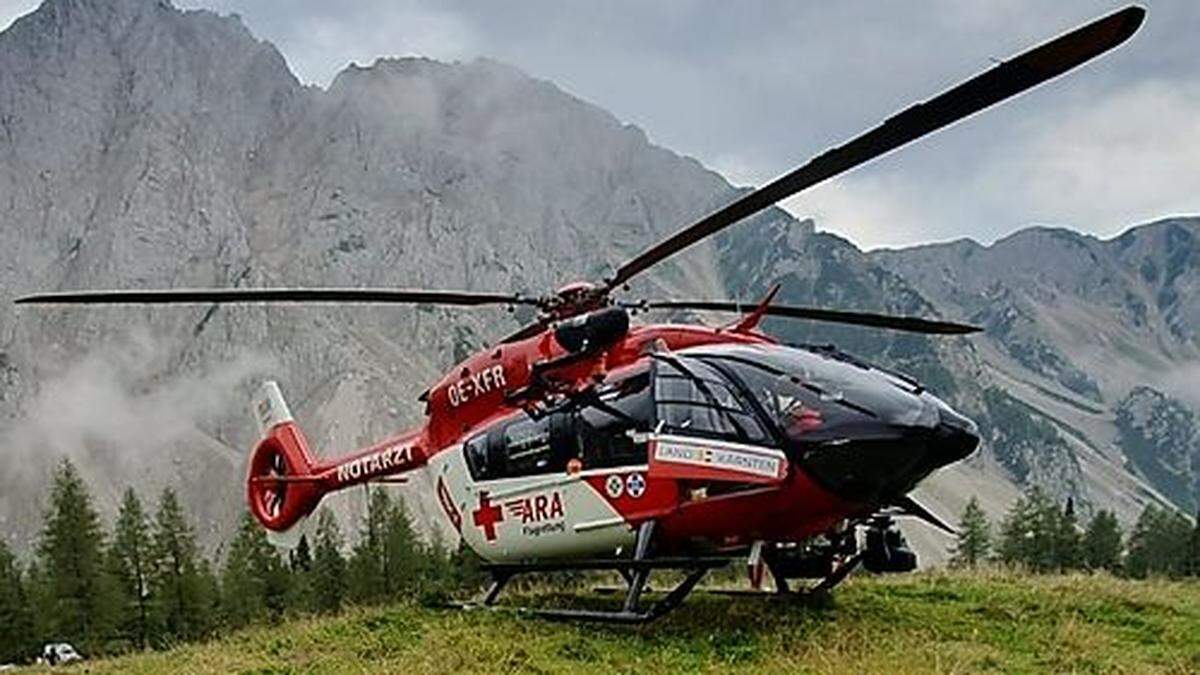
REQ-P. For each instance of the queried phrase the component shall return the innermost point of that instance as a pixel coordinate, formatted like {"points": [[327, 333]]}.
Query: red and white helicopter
{"points": [[582, 442]]}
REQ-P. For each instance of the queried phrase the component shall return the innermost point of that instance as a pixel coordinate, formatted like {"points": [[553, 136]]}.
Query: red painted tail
{"points": [[283, 485]]}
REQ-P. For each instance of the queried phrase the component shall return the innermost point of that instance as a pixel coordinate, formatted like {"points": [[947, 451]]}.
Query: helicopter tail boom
{"points": [[285, 483]]}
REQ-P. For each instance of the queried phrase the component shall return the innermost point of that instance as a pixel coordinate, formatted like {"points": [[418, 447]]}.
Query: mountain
{"points": [[146, 146], [1099, 340]]}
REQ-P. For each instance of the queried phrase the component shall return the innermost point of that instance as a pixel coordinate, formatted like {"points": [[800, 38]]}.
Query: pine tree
{"points": [[131, 562], [300, 587], [1159, 543], [469, 576], [81, 596], [329, 567], [180, 603], [1030, 532], [1101, 547], [406, 562], [368, 581], [974, 536], [300, 558], [254, 583], [1193, 567], [16, 619], [389, 560], [1067, 538], [1194, 554]]}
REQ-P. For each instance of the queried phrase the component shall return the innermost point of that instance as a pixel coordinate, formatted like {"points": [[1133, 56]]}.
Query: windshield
{"points": [[819, 395]]}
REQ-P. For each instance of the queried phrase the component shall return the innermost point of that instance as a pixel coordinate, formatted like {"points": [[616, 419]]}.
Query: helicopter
{"points": [[585, 442]]}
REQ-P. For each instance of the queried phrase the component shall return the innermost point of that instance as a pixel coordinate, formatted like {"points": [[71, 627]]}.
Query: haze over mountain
{"points": [[144, 146]]}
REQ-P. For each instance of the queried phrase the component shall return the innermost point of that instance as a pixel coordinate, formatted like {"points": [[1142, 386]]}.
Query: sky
{"points": [[753, 89]]}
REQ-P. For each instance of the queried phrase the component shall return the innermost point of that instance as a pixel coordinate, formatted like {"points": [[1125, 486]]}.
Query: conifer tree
{"points": [[329, 567], [254, 583], [300, 559], [132, 561], [81, 599], [974, 536], [16, 619], [406, 562], [467, 567], [179, 593], [1193, 567], [1101, 547], [300, 587], [368, 580], [1067, 540], [389, 560], [1159, 543], [1030, 532]]}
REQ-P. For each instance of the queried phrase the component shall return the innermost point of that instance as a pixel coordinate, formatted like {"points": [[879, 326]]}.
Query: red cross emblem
{"points": [[487, 515]]}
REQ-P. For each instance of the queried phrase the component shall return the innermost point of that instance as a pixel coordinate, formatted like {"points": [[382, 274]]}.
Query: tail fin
{"points": [[281, 486]]}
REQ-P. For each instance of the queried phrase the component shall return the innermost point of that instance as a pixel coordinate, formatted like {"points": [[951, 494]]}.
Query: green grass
{"points": [[953, 622]]}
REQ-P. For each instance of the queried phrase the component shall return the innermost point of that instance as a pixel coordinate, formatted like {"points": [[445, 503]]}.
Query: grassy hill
{"points": [[991, 620]]}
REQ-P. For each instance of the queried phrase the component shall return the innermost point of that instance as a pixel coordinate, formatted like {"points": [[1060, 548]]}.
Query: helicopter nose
{"points": [[875, 463], [954, 437]]}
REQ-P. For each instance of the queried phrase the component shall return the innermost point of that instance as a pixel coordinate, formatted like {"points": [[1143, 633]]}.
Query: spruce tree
{"points": [[389, 560], [255, 582], [179, 593], [329, 567], [974, 536], [406, 562], [1101, 547], [132, 562], [300, 586], [1159, 543], [368, 580], [1030, 532], [467, 566], [1067, 540], [16, 619], [300, 558], [1193, 567], [81, 597]]}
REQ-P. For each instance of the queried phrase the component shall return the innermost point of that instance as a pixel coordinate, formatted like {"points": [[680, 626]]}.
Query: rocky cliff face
{"points": [[1076, 329], [144, 146], [147, 146]]}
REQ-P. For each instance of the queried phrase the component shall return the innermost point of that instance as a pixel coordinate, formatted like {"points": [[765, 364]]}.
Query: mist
{"points": [[120, 413]]}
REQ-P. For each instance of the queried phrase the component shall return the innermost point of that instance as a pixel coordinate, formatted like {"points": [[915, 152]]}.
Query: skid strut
{"points": [[636, 572]]}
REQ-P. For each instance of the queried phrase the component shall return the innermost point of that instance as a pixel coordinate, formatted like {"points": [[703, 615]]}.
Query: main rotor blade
{"points": [[904, 323], [272, 295], [1005, 80]]}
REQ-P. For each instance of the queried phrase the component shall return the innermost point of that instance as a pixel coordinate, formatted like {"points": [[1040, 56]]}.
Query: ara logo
{"points": [[475, 385], [537, 508], [391, 458]]}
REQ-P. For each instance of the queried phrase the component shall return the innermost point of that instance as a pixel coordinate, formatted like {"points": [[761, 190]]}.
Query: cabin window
{"points": [[476, 453], [695, 399], [605, 427], [595, 431]]}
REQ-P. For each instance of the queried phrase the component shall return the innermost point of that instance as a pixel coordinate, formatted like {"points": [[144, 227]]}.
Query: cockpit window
{"points": [[693, 398]]}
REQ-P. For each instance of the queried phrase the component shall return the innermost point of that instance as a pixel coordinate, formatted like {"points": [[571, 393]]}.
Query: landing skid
{"points": [[636, 573]]}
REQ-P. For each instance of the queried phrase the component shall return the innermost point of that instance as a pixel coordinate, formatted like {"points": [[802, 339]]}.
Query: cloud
{"points": [[112, 407], [755, 90], [10, 10]]}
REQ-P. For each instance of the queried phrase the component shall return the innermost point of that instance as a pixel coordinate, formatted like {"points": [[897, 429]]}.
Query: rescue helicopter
{"points": [[583, 442]]}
